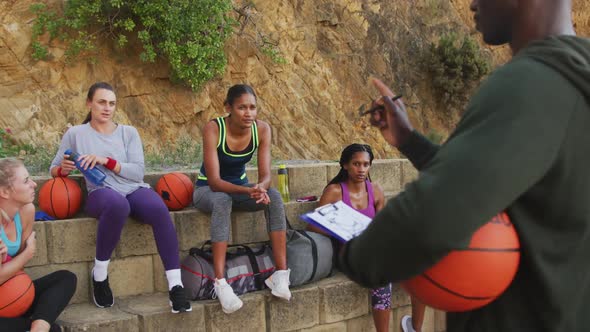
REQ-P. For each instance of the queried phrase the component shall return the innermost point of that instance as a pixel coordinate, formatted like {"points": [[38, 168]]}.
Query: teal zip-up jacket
{"points": [[523, 145]]}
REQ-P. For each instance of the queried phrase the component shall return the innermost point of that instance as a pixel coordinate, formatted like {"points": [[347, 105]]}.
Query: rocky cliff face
{"points": [[331, 48]]}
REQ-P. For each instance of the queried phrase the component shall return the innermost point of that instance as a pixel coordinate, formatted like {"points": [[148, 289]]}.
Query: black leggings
{"points": [[52, 294]]}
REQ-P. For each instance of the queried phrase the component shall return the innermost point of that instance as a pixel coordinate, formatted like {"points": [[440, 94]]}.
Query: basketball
{"points": [[16, 295], [60, 197], [176, 189], [470, 278]]}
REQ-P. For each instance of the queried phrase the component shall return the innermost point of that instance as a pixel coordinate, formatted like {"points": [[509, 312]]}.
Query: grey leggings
{"points": [[221, 204]]}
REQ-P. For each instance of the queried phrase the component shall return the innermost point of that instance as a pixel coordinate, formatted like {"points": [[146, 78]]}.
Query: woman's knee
{"points": [[274, 195], [68, 278], [221, 201], [107, 200], [219, 232], [208, 201], [119, 204]]}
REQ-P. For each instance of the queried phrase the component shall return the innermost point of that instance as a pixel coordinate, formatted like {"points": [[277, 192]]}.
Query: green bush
{"points": [[8, 145], [455, 65], [189, 34], [37, 159]]}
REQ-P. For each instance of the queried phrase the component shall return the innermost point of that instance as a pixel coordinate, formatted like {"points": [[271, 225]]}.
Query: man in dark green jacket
{"points": [[522, 146]]}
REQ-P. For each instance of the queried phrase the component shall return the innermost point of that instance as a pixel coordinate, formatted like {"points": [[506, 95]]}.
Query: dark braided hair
{"points": [[346, 156]]}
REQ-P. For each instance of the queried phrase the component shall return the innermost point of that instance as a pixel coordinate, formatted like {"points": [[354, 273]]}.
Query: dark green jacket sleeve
{"points": [[507, 140], [418, 149]]}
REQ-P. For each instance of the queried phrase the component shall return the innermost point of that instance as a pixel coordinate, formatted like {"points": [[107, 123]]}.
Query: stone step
{"points": [[136, 266], [74, 240], [332, 304], [70, 244]]}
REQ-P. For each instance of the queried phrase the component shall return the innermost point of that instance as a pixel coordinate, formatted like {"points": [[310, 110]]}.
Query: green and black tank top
{"points": [[232, 165]]}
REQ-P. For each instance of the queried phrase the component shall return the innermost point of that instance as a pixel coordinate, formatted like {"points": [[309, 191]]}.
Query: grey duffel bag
{"points": [[246, 268], [309, 256]]}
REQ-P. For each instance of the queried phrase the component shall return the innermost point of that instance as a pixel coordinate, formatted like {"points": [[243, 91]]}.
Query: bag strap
{"points": [[206, 254], [255, 267], [288, 223], [314, 253]]}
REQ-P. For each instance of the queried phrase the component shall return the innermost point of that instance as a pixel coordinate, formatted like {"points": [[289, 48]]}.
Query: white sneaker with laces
{"points": [[230, 302], [278, 283], [407, 324]]}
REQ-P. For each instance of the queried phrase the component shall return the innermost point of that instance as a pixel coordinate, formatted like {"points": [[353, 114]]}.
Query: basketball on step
{"points": [[176, 189], [16, 295], [60, 197], [470, 278]]}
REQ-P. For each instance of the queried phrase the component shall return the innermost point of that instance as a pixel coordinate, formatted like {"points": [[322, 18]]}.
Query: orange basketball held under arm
{"points": [[472, 277]]}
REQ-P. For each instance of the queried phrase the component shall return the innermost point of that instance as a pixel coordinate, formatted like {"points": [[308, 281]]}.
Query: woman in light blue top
{"points": [[17, 247]]}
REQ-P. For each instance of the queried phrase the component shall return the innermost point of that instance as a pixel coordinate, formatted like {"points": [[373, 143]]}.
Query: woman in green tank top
{"points": [[228, 144]]}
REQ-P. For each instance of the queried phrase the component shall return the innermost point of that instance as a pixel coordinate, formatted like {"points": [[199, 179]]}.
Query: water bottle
{"points": [[284, 183], [94, 175]]}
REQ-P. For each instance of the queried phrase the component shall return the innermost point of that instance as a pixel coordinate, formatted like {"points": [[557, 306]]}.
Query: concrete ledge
{"points": [[40, 257], [154, 315], [342, 299], [89, 318], [306, 180], [387, 173], [251, 317], [294, 209], [334, 327], [74, 240], [248, 227], [137, 239], [333, 304], [71, 240], [81, 270], [192, 228], [399, 297], [131, 276], [301, 312], [366, 324], [440, 321]]}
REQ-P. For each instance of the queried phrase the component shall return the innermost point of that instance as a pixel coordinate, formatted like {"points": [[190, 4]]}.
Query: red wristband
{"points": [[111, 163], [60, 174]]}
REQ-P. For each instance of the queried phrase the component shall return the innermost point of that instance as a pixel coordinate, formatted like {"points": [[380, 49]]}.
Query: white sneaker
{"points": [[278, 282], [407, 324], [230, 302]]}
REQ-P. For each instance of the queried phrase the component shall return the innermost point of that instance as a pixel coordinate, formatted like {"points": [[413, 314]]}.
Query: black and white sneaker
{"points": [[178, 300], [101, 293]]}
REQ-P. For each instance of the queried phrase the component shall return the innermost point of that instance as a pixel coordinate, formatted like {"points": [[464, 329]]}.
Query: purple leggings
{"points": [[112, 209]]}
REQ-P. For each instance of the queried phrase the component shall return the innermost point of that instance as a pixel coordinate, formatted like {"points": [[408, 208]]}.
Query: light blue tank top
{"points": [[13, 246]]}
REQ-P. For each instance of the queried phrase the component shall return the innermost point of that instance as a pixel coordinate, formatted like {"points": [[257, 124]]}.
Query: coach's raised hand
{"points": [[393, 121]]}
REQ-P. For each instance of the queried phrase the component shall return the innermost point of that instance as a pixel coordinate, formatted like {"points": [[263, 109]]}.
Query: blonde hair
{"points": [[7, 167]]}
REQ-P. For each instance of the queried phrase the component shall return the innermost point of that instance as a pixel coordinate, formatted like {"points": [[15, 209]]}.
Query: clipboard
{"points": [[339, 220]]}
